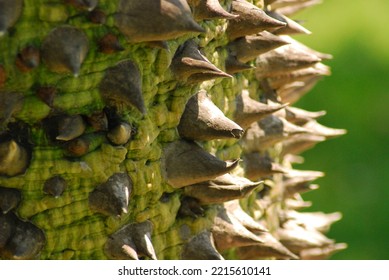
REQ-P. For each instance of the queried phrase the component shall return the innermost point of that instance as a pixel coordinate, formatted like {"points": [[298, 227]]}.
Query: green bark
{"points": [[72, 230]]}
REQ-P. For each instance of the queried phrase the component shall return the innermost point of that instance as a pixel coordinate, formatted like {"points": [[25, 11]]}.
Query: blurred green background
{"points": [[356, 97]]}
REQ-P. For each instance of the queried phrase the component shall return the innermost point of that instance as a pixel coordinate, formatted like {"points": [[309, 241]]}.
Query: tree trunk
{"points": [[122, 124]]}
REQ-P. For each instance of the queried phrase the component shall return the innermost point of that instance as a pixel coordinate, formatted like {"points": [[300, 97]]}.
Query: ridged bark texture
{"points": [[91, 96]]}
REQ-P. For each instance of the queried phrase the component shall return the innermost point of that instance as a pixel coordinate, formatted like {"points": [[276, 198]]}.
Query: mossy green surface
{"points": [[72, 230]]}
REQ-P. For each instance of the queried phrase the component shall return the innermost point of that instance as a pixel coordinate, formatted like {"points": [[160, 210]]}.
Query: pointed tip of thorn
{"points": [[237, 133], [210, 9], [203, 120], [233, 65], [196, 28], [186, 163]]}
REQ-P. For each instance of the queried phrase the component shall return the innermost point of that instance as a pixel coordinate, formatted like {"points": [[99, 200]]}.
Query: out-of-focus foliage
{"points": [[356, 97]]}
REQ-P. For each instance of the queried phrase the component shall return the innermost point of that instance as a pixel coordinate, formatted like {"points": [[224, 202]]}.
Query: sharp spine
{"points": [[190, 65], [221, 189], [148, 20], [122, 85], [203, 120], [185, 163], [9, 199], [64, 49], [249, 47], [201, 247], [132, 241], [112, 197], [209, 9], [251, 20], [249, 110]]}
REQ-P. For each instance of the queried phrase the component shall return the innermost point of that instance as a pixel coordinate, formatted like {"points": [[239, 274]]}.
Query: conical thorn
{"points": [[230, 233], [203, 120], [297, 238], [268, 131], [323, 252], [249, 47], [270, 248], [9, 14], [64, 49], [259, 166], [122, 85], [190, 65], [201, 247], [112, 197], [185, 163], [223, 188], [251, 20], [249, 110], [291, 28], [209, 9], [132, 241], [315, 128], [9, 199], [284, 59], [70, 127], [14, 158], [149, 20], [55, 186], [25, 242], [233, 208], [233, 65]]}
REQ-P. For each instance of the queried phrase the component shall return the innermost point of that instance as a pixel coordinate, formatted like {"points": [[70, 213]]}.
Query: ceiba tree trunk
{"points": [[158, 129]]}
